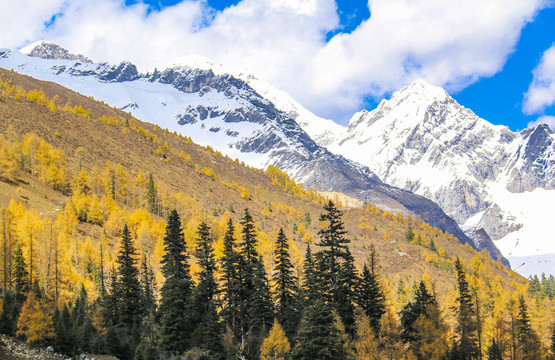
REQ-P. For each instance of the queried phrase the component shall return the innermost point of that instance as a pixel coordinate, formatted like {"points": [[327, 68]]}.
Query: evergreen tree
{"points": [[247, 265], [529, 345], [309, 285], [147, 284], [20, 275], [285, 286], [64, 341], [412, 310], [494, 351], [467, 328], [346, 293], [231, 281], [371, 299], [333, 241], [409, 234], [318, 338], [128, 288], [175, 325], [261, 312], [151, 195], [207, 336], [10, 313]]}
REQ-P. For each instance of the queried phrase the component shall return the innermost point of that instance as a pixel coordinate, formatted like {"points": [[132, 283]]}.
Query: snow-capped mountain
{"points": [[227, 113], [482, 175]]}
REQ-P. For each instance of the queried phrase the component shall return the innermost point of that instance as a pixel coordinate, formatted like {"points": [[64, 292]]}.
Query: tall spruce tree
{"points": [[128, 288], [412, 310], [248, 262], [261, 310], [175, 323], [371, 299], [337, 271], [21, 276], [529, 344], [231, 281], [318, 338], [207, 335], [467, 327], [285, 286], [151, 195], [333, 241]]}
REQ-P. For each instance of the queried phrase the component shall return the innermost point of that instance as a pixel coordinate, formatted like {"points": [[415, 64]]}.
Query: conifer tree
{"points": [[261, 311], [64, 341], [317, 337], [494, 352], [309, 285], [231, 281], [207, 336], [10, 312], [147, 284], [346, 292], [333, 241], [285, 287], [371, 299], [409, 234], [128, 288], [151, 195], [20, 275], [412, 310], [529, 345], [467, 327], [175, 324]]}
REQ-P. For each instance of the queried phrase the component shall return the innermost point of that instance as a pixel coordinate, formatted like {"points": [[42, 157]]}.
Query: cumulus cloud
{"points": [[545, 119], [541, 92], [450, 44]]}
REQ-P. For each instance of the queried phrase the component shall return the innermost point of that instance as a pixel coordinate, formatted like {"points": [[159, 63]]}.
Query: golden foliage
{"points": [[275, 345]]}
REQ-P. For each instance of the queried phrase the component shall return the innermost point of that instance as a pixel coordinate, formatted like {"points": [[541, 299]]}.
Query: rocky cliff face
{"points": [[423, 141], [226, 113]]}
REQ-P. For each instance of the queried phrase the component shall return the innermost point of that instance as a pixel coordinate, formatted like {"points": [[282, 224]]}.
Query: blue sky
{"points": [[496, 57], [497, 98]]}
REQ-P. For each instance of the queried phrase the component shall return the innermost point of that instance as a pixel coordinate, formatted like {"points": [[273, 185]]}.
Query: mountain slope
{"points": [[122, 149], [225, 113], [484, 176]]}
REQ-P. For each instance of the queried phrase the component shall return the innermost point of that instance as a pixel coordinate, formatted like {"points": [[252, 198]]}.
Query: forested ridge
{"points": [[116, 229]]}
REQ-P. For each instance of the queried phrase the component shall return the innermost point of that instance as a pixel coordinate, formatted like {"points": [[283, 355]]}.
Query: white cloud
{"points": [[545, 119], [541, 92], [284, 41]]}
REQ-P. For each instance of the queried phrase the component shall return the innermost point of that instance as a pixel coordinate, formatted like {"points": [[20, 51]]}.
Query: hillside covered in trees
{"points": [[119, 237]]}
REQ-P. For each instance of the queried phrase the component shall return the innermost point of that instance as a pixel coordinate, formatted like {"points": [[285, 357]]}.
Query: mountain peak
{"points": [[51, 50], [421, 90]]}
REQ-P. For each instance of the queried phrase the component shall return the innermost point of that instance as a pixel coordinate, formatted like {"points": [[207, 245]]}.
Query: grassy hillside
{"points": [[74, 170]]}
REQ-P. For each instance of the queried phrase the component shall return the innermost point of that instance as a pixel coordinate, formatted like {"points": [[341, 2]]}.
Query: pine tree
{"points": [[371, 299], [318, 338], [412, 310], [231, 282], [333, 241], [494, 352], [175, 325], [10, 313], [529, 345], [467, 327], [431, 334], [346, 293], [35, 323], [151, 195], [261, 312], [128, 288], [248, 263], [64, 341], [285, 286], [207, 336], [147, 283], [309, 284], [409, 234], [366, 342], [21, 275]]}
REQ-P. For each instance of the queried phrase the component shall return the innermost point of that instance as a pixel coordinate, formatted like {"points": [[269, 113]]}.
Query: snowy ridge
{"points": [[484, 176]]}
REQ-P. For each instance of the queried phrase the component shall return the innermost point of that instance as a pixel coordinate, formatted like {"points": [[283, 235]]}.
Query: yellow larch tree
{"points": [[275, 346]]}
